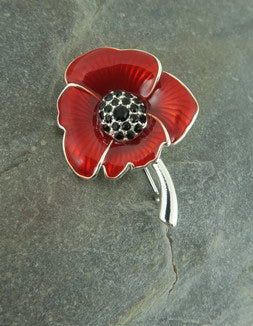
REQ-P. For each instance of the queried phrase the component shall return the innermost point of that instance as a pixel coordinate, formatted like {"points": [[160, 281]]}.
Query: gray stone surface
{"points": [[80, 253]]}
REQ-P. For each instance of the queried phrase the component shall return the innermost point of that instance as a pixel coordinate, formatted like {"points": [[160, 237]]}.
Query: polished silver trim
{"points": [[168, 198]]}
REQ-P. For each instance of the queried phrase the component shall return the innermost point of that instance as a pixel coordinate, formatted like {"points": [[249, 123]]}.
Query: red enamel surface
{"points": [[105, 69], [174, 105], [139, 151], [83, 144], [101, 71]]}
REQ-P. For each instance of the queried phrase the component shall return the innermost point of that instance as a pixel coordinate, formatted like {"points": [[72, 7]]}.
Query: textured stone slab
{"points": [[94, 253]]}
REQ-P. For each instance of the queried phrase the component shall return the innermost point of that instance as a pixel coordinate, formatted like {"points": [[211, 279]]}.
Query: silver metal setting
{"points": [[166, 195], [134, 109]]}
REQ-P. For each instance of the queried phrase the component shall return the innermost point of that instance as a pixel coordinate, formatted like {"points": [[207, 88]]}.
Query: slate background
{"points": [[83, 253]]}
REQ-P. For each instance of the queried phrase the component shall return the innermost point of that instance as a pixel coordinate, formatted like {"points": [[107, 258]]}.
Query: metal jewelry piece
{"points": [[117, 111]]}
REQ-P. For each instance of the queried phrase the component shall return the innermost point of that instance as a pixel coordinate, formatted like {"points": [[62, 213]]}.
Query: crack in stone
{"points": [[173, 263], [128, 315]]}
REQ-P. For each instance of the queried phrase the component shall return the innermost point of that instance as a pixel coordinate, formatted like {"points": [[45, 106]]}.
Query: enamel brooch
{"points": [[117, 111]]}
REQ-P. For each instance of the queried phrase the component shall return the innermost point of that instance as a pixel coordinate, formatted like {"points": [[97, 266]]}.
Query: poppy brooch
{"points": [[117, 111]]}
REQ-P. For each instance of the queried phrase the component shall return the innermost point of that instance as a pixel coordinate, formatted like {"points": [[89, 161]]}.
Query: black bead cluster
{"points": [[122, 115]]}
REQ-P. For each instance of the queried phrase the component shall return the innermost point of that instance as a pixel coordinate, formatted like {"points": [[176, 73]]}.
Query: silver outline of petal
{"points": [[195, 115], [159, 71], [97, 169], [130, 165]]}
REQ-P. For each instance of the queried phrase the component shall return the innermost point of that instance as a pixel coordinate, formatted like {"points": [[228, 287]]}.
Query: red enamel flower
{"points": [[118, 109]]}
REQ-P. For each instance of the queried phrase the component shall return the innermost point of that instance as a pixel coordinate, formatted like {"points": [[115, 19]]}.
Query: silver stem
{"points": [[168, 198], [152, 182]]}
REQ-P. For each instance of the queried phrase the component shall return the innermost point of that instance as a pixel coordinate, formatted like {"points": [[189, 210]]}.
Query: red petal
{"points": [[174, 105], [139, 152], [83, 144], [105, 69]]}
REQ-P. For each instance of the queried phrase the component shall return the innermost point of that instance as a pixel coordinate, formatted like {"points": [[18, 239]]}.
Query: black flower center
{"points": [[122, 115]]}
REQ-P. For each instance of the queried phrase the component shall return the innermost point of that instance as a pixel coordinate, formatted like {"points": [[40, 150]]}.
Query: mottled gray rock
{"points": [[77, 252]]}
